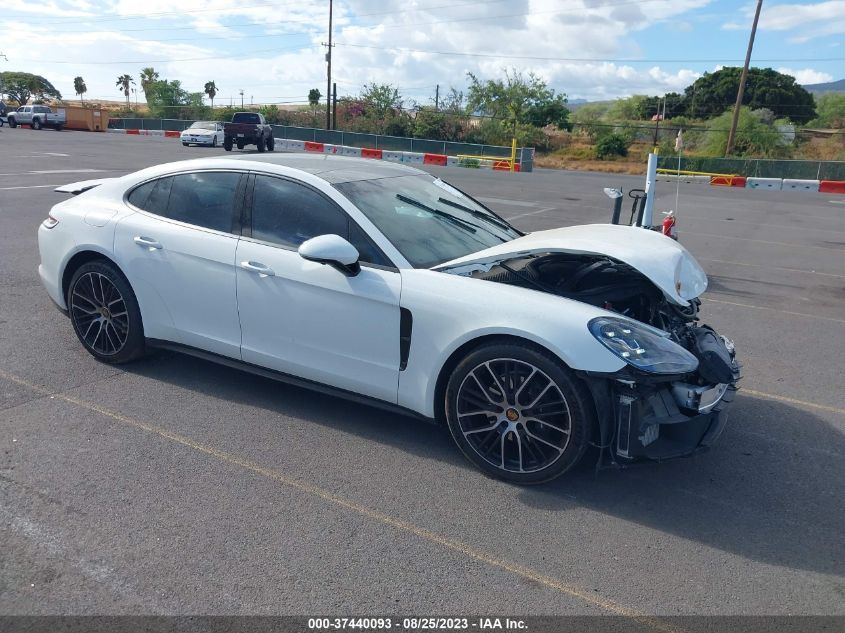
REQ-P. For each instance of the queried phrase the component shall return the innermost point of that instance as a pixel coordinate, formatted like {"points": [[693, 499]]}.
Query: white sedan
{"points": [[203, 133], [381, 282]]}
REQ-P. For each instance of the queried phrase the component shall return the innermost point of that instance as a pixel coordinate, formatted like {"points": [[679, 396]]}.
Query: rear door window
{"points": [[204, 199]]}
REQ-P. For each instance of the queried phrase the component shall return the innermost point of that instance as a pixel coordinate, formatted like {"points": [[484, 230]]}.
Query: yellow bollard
{"points": [[513, 153]]}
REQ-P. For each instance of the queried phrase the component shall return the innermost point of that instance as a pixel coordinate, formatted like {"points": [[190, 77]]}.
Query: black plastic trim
{"points": [[406, 326]]}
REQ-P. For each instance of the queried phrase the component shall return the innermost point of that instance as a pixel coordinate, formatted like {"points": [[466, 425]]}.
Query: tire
{"points": [[214, 142], [504, 436], [12, 122], [227, 144], [240, 144], [184, 145], [58, 127], [261, 144], [116, 335], [36, 124], [271, 143]]}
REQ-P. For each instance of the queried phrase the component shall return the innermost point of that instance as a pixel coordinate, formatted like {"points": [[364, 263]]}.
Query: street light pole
{"points": [[329, 74], [742, 79]]}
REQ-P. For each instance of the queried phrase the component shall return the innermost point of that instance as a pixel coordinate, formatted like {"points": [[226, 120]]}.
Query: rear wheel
{"points": [[518, 413], [12, 122], [271, 143], [227, 144], [105, 314], [214, 142], [36, 124], [58, 127], [261, 144]]}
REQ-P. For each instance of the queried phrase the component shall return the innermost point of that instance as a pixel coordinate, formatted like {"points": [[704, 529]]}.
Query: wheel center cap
{"points": [[105, 312], [512, 414]]}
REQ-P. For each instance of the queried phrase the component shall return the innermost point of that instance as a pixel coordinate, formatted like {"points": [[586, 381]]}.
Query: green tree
{"points": [[382, 100], [513, 99], [148, 77], [831, 109], [210, 89], [757, 135], [314, 98], [21, 87], [169, 100], [80, 88], [124, 82], [445, 121], [715, 93]]}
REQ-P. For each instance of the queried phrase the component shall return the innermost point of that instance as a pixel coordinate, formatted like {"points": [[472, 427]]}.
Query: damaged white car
{"points": [[377, 281]]}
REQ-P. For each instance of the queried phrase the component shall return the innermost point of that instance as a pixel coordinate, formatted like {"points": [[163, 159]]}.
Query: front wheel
{"points": [[214, 142], [12, 122], [58, 127], [105, 313], [518, 413]]}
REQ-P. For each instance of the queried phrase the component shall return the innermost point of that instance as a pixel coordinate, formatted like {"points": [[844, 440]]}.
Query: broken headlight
{"points": [[641, 346]]}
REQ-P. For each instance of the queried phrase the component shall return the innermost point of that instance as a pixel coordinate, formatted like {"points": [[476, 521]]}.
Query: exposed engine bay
{"points": [[642, 414]]}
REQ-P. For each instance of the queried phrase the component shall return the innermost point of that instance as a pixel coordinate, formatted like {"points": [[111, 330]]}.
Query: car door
{"points": [[178, 252], [308, 319]]}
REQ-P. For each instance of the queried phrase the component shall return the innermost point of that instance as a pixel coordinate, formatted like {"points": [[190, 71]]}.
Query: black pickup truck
{"points": [[248, 128]]}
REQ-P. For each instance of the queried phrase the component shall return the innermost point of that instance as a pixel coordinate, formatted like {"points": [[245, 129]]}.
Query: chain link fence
{"points": [[759, 168], [525, 156]]}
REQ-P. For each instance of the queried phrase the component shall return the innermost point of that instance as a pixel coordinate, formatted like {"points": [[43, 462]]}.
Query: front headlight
{"points": [[642, 346]]}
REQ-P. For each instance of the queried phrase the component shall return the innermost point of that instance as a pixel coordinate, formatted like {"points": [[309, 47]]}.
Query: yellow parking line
{"points": [[801, 314], [803, 403], [386, 519]]}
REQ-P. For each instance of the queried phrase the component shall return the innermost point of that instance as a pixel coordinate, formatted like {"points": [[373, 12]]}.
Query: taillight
{"points": [[50, 222]]}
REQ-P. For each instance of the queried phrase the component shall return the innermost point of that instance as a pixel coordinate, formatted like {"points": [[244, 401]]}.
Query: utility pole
{"points": [[334, 106], [242, 98], [437, 97], [657, 122], [742, 79], [329, 73]]}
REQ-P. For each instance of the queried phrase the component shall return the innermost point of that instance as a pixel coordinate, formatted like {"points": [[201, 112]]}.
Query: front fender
{"points": [[450, 311]]}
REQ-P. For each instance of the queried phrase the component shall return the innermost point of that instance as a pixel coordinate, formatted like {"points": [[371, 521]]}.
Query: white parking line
{"points": [[511, 203], [524, 215], [56, 171], [29, 187]]}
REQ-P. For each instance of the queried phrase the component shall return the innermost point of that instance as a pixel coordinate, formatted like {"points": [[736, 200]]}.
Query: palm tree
{"points": [[148, 77], [211, 90], [124, 81], [80, 88]]}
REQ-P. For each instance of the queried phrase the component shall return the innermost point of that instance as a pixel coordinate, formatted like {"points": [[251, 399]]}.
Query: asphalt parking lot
{"points": [[175, 486]]}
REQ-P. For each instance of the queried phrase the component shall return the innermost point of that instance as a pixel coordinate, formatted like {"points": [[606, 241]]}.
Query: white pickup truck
{"points": [[37, 117]]}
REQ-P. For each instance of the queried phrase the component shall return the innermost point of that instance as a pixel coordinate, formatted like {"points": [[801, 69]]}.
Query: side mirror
{"points": [[332, 250]]}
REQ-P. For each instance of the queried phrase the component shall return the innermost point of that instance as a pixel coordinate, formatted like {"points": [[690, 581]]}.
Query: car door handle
{"points": [[146, 242], [258, 267]]}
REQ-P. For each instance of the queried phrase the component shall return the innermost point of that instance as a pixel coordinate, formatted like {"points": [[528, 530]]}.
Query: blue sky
{"points": [[594, 49]]}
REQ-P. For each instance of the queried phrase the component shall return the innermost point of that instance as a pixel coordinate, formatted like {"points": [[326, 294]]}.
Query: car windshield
{"points": [[203, 125], [427, 220]]}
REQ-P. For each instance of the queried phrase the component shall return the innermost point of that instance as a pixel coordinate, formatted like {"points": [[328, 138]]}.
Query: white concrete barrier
{"points": [[349, 151], [331, 149], [775, 184], [393, 157], [413, 158], [453, 161], [793, 184], [294, 146], [115, 131], [684, 178]]}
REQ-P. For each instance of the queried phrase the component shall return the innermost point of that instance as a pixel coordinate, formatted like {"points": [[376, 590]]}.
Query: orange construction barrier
{"points": [[172, 134], [434, 159], [832, 186], [504, 165], [370, 153], [313, 147], [728, 181], [133, 132]]}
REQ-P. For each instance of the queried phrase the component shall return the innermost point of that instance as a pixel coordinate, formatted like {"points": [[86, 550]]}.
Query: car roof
{"points": [[333, 169]]}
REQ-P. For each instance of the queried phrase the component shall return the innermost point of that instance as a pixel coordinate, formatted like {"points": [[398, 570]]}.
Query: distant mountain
{"points": [[831, 86]]}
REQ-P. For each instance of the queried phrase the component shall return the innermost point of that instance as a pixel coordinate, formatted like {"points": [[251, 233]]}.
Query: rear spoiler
{"points": [[82, 186]]}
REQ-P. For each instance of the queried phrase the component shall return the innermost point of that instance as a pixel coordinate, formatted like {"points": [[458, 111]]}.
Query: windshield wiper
{"points": [[439, 212], [479, 214]]}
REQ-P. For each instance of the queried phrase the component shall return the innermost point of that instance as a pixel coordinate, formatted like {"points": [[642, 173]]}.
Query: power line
{"points": [[629, 60]]}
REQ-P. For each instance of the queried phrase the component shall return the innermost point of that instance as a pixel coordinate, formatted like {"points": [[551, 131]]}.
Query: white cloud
{"points": [[273, 49], [807, 20], [806, 76]]}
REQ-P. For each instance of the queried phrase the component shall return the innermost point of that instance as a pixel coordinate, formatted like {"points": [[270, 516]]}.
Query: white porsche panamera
{"points": [[381, 282]]}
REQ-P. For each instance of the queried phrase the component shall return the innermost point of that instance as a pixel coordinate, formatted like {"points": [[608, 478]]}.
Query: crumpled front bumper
{"points": [[658, 418]]}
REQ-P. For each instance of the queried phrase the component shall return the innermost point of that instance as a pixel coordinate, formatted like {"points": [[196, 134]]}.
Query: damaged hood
{"points": [[664, 261]]}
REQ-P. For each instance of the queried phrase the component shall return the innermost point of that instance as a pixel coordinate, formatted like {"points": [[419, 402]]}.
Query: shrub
{"points": [[611, 145]]}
